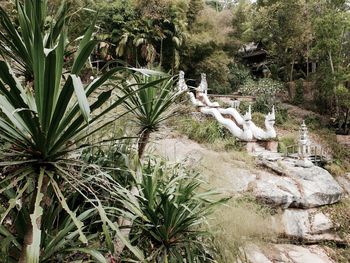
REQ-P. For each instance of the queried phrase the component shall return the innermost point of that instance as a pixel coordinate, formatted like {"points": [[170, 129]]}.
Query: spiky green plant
{"points": [[42, 124], [171, 215], [15, 44], [151, 106]]}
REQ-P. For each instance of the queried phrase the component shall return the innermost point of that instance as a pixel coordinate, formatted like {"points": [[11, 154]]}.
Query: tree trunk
{"points": [[291, 71], [307, 61], [144, 138], [28, 237], [334, 88]]}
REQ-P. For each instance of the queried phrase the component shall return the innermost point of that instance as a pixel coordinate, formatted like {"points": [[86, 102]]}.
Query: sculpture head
{"points": [[203, 86], [271, 117], [181, 75], [248, 117], [181, 83]]}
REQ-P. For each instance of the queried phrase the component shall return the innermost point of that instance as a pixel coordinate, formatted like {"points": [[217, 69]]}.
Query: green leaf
{"points": [[92, 252], [79, 224], [83, 56], [81, 97], [12, 202]]}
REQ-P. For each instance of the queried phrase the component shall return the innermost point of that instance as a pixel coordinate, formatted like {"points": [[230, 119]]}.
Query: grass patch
{"points": [[285, 142], [207, 131], [339, 255], [202, 131], [340, 216], [335, 169], [241, 221]]}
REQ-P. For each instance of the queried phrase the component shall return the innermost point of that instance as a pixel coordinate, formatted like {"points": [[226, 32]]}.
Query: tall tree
{"points": [[194, 7], [282, 29], [331, 23]]}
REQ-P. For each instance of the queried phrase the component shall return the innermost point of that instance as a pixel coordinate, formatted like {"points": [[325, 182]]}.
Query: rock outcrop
{"points": [[308, 226], [297, 186], [286, 253], [276, 181]]}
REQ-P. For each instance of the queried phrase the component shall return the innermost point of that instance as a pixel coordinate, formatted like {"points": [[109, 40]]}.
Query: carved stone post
{"points": [[235, 104]]}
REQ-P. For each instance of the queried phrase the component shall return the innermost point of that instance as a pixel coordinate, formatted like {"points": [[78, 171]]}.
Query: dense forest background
{"points": [[302, 40]]}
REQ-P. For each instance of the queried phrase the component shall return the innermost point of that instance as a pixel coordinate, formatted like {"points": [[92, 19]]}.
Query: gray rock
{"points": [[344, 182], [217, 168], [255, 255], [309, 225], [299, 254], [299, 187], [281, 184], [276, 190], [320, 223], [286, 253]]}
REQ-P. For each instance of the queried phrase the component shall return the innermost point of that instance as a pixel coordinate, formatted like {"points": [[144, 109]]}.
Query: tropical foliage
{"points": [[43, 122], [151, 106], [171, 215]]}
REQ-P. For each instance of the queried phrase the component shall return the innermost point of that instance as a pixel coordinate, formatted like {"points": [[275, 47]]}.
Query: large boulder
{"points": [[291, 186], [220, 169]]}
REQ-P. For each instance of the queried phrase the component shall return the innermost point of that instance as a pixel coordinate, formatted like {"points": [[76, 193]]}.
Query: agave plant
{"points": [[171, 215], [151, 106], [42, 124]]}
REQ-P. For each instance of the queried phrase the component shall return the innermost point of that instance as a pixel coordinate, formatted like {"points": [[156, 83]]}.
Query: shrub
{"points": [[238, 76], [216, 68], [259, 119], [313, 122], [204, 131], [172, 214], [299, 92], [281, 115], [285, 142], [265, 91]]}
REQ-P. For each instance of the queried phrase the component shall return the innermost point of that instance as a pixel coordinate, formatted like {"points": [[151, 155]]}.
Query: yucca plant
{"points": [[15, 46], [171, 215], [151, 106], [42, 123]]}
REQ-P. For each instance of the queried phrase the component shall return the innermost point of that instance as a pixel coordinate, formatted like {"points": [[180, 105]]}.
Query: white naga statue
{"points": [[202, 92], [258, 133], [270, 131], [244, 134], [242, 127]]}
